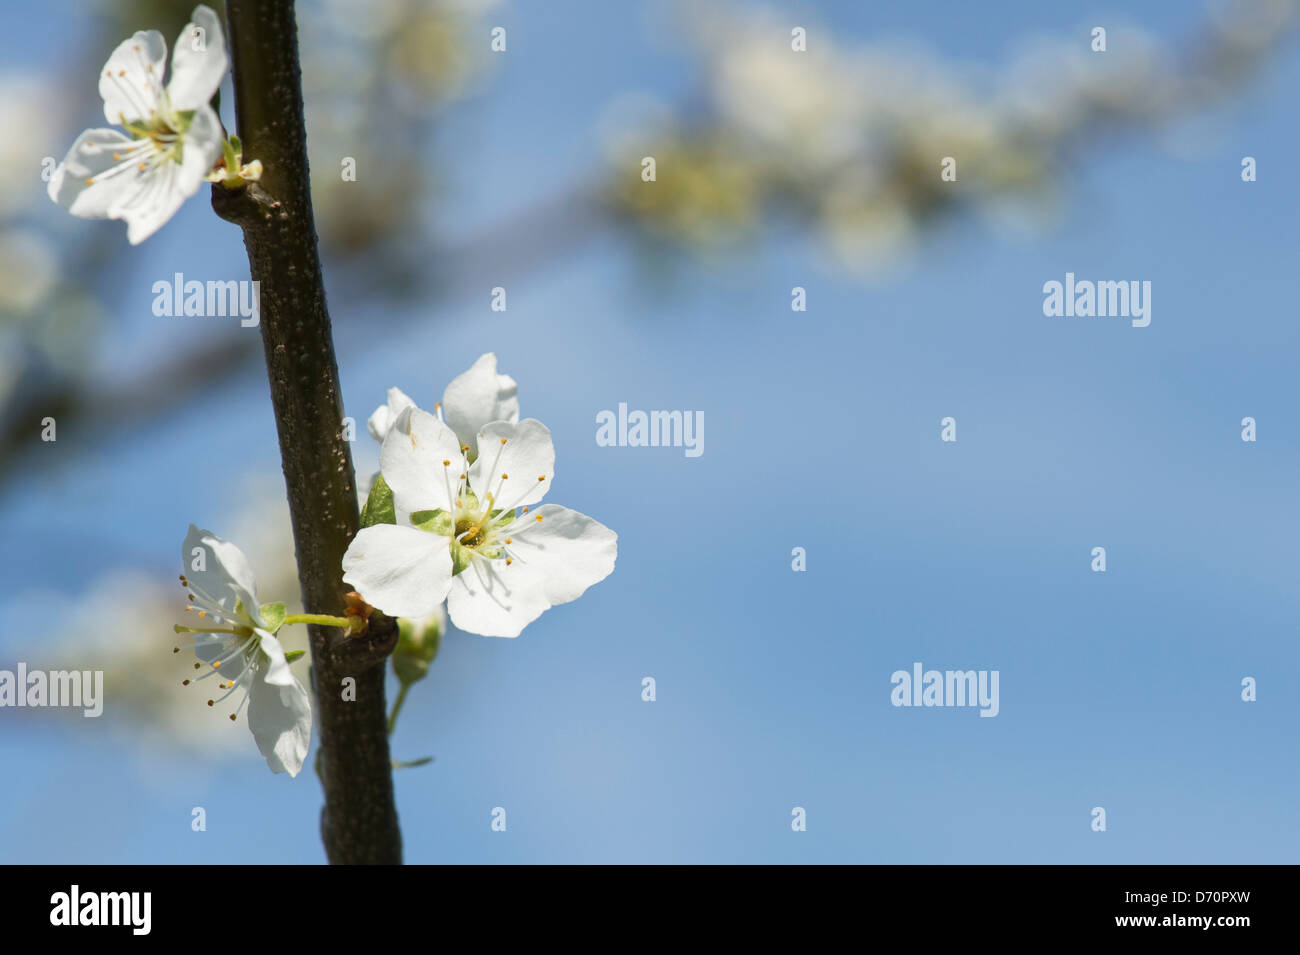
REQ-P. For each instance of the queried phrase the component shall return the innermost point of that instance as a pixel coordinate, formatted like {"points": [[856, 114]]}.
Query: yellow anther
{"points": [[211, 702], [217, 663], [510, 540], [505, 477], [185, 682], [503, 440], [232, 717], [541, 477], [509, 561], [90, 181], [446, 463], [539, 518], [117, 157]]}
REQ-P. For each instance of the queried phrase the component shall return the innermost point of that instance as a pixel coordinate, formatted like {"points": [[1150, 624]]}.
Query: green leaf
{"points": [[379, 504], [231, 156], [407, 764], [274, 615], [292, 655]]}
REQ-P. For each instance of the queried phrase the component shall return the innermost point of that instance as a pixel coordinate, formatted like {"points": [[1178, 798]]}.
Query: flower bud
{"points": [[417, 645]]}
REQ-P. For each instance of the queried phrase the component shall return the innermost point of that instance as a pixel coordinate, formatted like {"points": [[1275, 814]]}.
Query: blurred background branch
{"points": [[845, 144]]}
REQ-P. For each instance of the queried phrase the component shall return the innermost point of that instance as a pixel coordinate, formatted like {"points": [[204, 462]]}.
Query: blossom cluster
{"points": [[454, 515]]}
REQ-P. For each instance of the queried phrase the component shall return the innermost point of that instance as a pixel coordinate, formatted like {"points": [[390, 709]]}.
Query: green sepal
{"points": [[379, 507], [291, 655], [436, 521], [273, 615]]}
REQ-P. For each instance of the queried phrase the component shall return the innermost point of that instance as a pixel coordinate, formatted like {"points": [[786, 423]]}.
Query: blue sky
{"points": [[822, 431]]}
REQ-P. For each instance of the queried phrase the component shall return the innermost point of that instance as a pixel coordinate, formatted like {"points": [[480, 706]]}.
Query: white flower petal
{"points": [[198, 61], [526, 457], [495, 600], [411, 461], [224, 574], [167, 187], [131, 80], [568, 550], [77, 184], [478, 397], [403, 571], [275, 668], [385, 416], [280, 718]]}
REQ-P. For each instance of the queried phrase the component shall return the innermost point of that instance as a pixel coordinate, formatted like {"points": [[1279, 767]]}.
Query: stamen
{"points": [[453, 500], [488, 486]]}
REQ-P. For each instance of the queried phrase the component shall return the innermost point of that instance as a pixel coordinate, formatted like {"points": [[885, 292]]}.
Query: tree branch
{"points": [[359, 821]]}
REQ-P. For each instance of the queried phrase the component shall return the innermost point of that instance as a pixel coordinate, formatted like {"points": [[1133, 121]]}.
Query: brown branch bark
{"points": [[359, 820]]}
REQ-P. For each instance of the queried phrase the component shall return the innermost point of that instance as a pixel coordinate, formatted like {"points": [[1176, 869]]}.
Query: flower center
{"points": [[470, 531]]}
